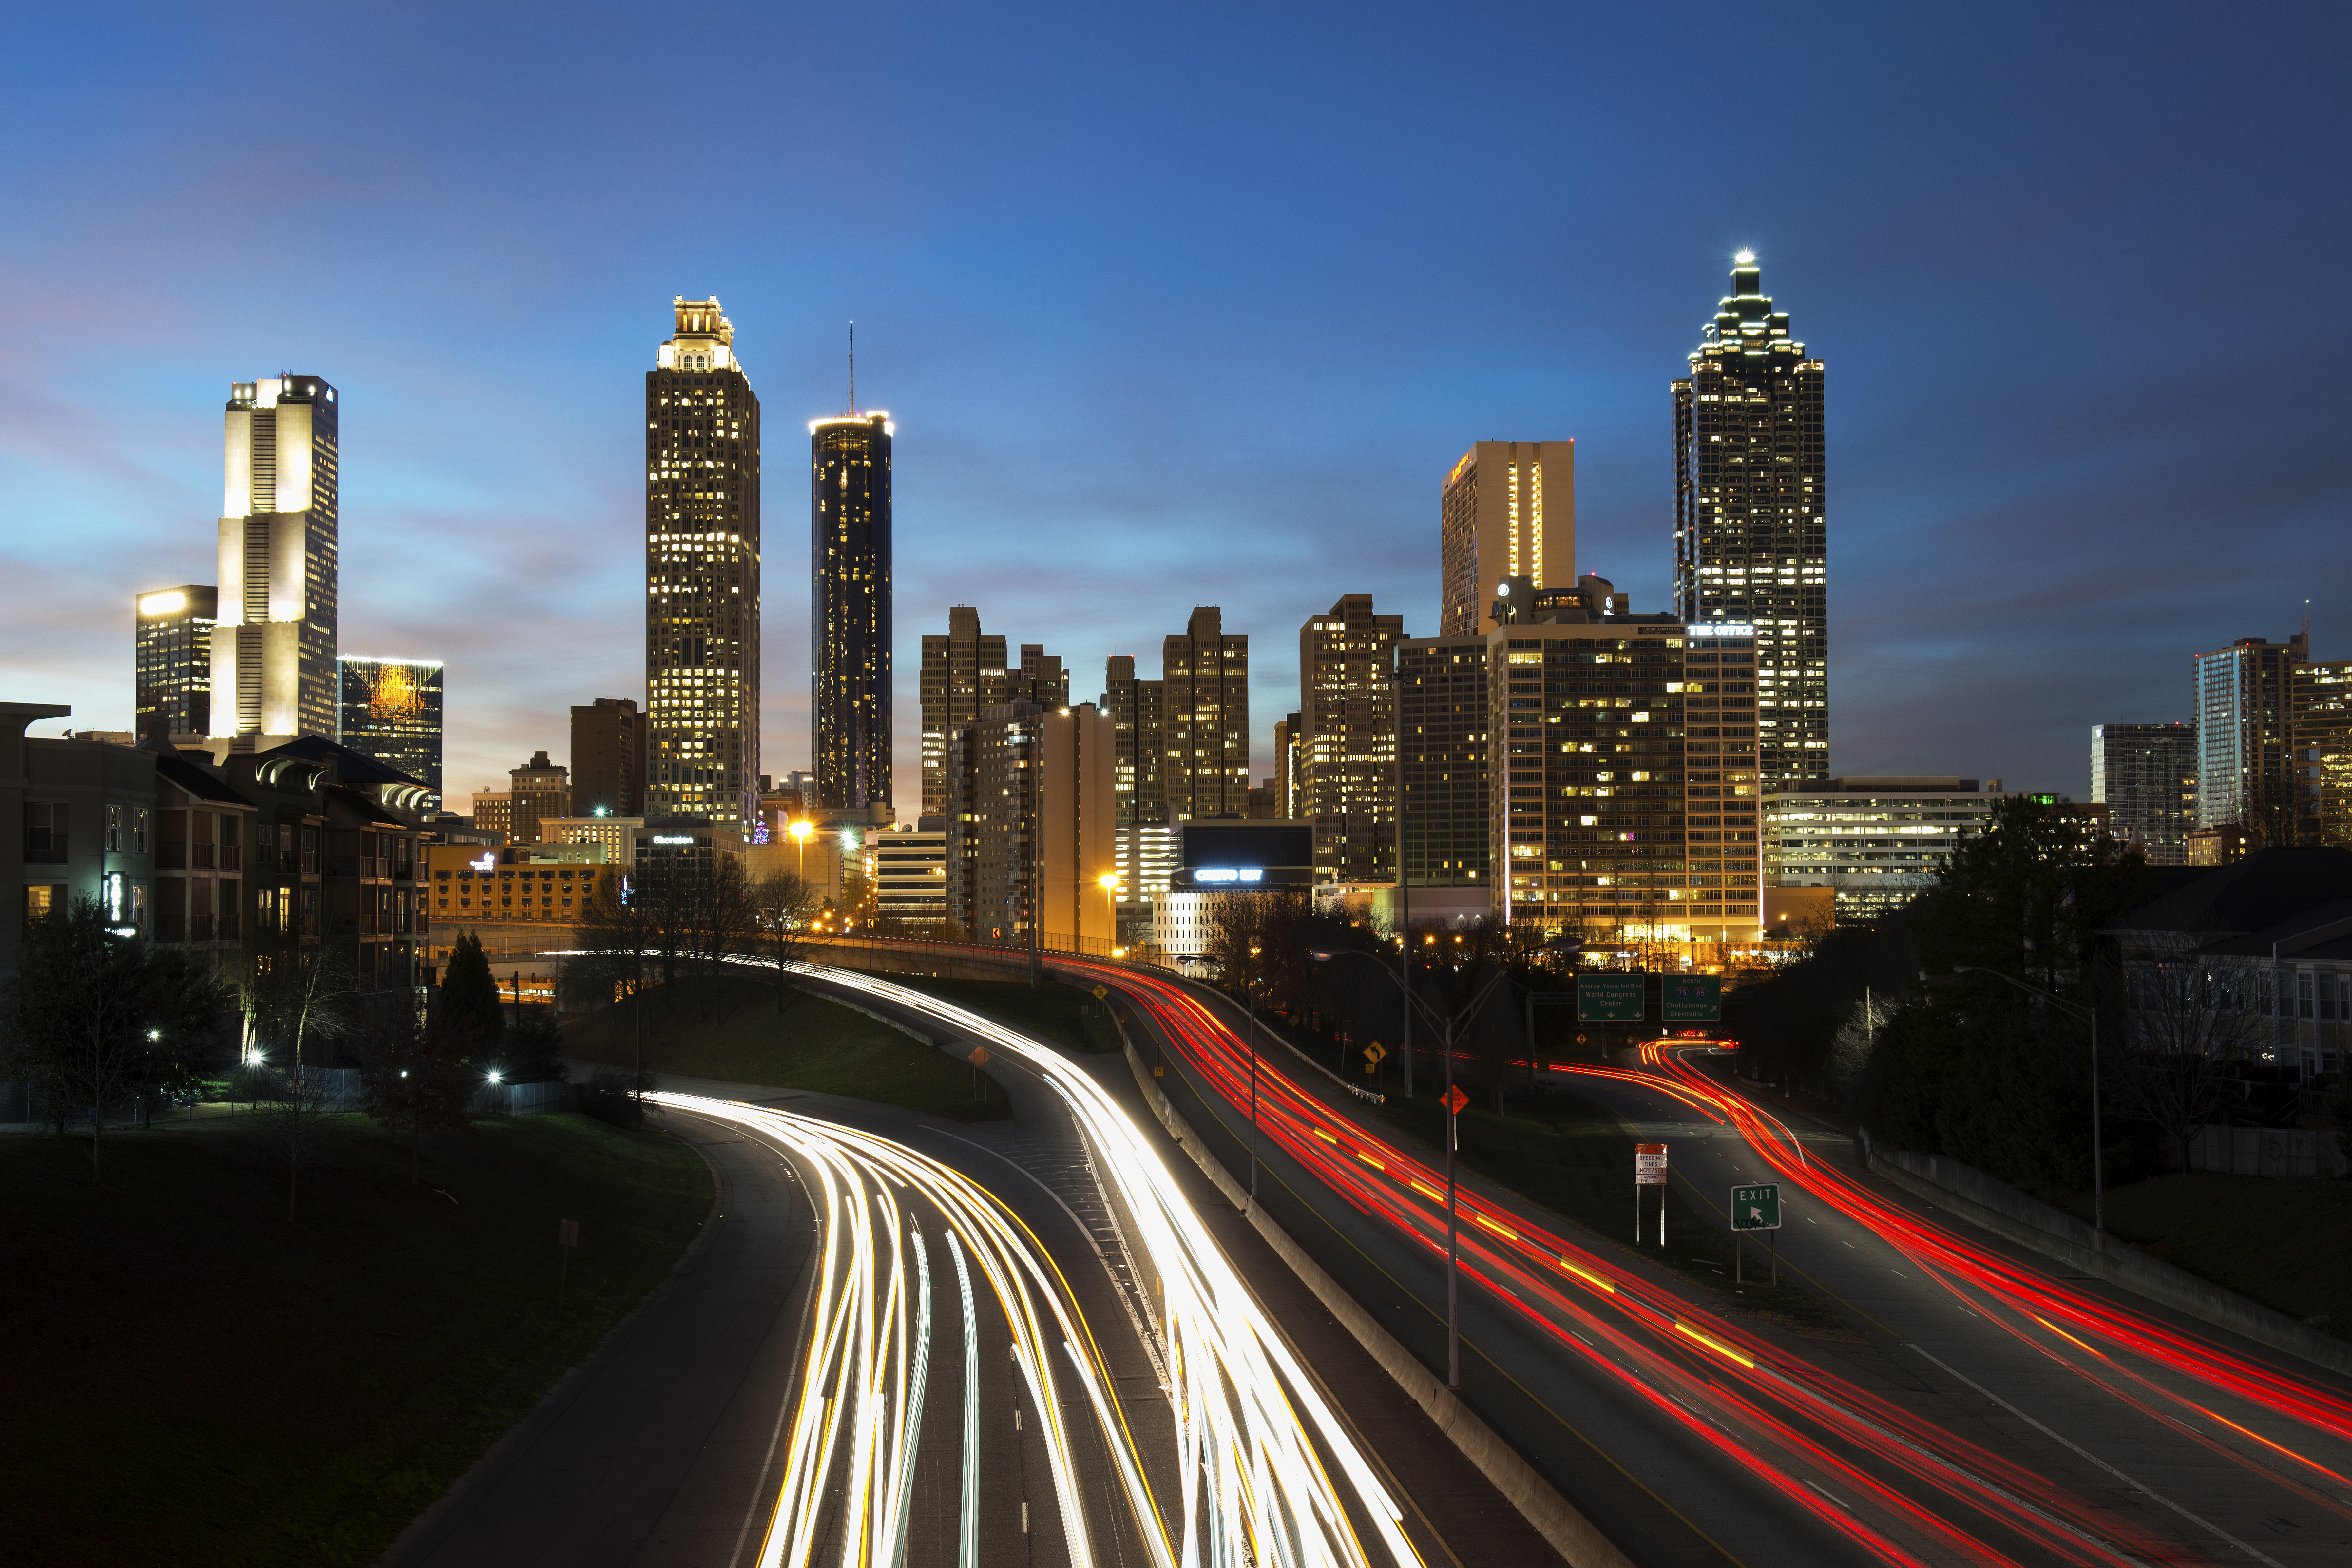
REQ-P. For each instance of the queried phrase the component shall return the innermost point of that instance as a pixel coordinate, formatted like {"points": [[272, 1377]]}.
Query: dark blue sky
{"points": [[1194, 305]]}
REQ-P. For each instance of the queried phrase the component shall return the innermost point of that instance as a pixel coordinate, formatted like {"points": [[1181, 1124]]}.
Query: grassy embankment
{"points": [[1567, 1153], [813, 1044], [2283, 1241], [192, 1380]]}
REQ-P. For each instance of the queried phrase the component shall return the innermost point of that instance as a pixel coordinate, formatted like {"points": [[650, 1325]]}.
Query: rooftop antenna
{"points": [[853, 367], [2306, 628]]}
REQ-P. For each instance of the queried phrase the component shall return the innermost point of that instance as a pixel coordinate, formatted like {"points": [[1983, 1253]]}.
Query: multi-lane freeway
{"points": [[1997, 1410]]}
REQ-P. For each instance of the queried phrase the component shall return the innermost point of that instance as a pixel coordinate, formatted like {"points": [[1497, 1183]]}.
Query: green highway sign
{"points": [[1756, 1207], [1611, 998], [1691, 999]]}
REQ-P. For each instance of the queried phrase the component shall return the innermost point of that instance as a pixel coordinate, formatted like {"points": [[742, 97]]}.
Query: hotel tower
{"points": [[273, 640]]}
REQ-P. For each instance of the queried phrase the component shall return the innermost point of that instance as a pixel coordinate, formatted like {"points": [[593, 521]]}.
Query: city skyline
{"points": [[2086, 549]]}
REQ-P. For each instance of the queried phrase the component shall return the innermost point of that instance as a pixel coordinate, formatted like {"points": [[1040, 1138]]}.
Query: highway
{"points": [[1691, 1433], [910, 1341]]}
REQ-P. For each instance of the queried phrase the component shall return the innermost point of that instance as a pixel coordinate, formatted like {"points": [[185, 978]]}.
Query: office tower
{"points": [[493, 812], [1205, 715], [1751, 543], [1877, 842], [850, 608], [391, 712], [2323, 753], [2244, 713], [963, 672], [1586, 786], [1441, 686], [1146, 848], [608, 758], [1285, 763], [1345, 743], [2146, 776], [541, 792], [910, 871], [1508, 509], [1040, 678], [274, 642], [172, 630], [1031, 829], [702, 574]]}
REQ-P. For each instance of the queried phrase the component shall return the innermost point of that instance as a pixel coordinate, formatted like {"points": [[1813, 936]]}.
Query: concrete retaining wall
{"points": [[2003, 1210], [1554, 1517], [2267, 1152]]}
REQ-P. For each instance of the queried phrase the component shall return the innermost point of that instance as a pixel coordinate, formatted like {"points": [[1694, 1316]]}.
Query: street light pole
{"points": [[2098, 1146]]}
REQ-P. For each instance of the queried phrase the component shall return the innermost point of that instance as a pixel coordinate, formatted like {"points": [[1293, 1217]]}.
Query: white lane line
{"points": [[2085, 1453]]}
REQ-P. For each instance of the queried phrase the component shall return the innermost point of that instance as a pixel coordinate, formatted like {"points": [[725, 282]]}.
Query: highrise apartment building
{"points": [[1031, 826], [849, 616], [273, 640], [2244, 719], [1287, 791], [1205, 675], [963, 672], [1442, 725], [1508, 510], [392, 714], [2146, 776], [1343, 750], [608, 758], [541, 791], [702, 574], [1750, 535], [171, 632], [1146, 847]]}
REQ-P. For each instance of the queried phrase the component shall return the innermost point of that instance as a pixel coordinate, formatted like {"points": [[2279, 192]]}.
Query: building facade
{"points": [[849, 615], [1205, 718], [608, 758], [702, 573], [1340, 772], [1750, 516], [273, 640], [172, 633], [963, 672], [1508, 510], [1032, 834], [1217, 860], [2244, 718], [616, 834], [2146, 776], [1877, 842], [540, 791], [910, 874], [1441, 770], [391, 712], [2323, 753], [1138, 709]]}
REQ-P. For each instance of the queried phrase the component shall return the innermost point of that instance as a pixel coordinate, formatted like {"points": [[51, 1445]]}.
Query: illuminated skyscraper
{"points": [[1750, 540], [173, 631], [963, 672], [1204, 681], [1508, 509], [274, 646], [392, 714], [702, 574], [2245, 740], [1340, 773], [849, 572]]}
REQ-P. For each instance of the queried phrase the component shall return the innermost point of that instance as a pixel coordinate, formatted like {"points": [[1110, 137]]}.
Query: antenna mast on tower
{"points": [[853, 367]]}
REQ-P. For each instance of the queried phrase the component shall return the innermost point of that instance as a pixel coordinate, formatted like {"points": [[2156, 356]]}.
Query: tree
{"points": [[2025, 895], [294, 1125], [420, 1077], [783, 905], [301, 995], [620, 956], [469, 993], [2186, 1021], [95, 1017], [530, 1051]]}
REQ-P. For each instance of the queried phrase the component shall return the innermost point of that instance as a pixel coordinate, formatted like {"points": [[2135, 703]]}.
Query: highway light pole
{"points": [[2098, 1150], [1444, 1026]]}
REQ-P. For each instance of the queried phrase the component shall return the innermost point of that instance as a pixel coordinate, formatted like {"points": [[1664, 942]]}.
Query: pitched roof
{"points": [[2265, 889], [198, 780], [352, 767]]}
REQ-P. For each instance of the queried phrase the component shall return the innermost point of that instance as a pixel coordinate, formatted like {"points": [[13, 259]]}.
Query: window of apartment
{"points": [[229, 911], [310, 851], [230, 846], [42, 899], [44, 831], [114, 826], [142, 829], [2303, 986]]}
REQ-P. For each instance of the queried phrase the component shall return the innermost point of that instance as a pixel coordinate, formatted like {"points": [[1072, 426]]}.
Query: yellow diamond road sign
{"points": [[1101, 992], [1375, 1052]]}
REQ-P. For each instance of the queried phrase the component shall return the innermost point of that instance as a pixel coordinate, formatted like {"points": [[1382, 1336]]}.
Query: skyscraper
{"points": [[391, 712], [2244, 717], [1343, 748], [702, 574], [172, 629], [2323, 753], [608, 758], [1205, 675], [963, 672], [2146, 776], [1442, 726], [1750, 542], [1508, 509], [849, 576], [274, 642]]}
